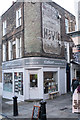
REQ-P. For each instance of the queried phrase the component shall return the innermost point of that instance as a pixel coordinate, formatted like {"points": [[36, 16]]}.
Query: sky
{"points": [[67, 4]]}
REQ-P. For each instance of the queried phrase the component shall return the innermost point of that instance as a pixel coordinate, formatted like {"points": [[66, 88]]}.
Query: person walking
{"points": [[75, 84]]}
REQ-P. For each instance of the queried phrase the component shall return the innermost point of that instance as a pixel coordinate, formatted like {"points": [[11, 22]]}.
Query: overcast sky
{"points": [[67, 4]]}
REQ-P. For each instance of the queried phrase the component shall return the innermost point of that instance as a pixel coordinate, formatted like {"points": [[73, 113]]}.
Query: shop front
{"points": [[13, 83], [33, 78], [75, 71]]}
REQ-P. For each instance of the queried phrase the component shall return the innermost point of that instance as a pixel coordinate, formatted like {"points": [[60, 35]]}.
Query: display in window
{"points": [[50, 82], [7, 85], [18, 78], [33, 80]]}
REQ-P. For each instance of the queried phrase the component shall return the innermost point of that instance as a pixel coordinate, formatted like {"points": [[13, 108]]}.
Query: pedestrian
{"points": [[75, 84]]}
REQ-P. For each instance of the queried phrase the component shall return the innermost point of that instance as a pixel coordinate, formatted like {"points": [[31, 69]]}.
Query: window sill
{"points": [[18, 26]]}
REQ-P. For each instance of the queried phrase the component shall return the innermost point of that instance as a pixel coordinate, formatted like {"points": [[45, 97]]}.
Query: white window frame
{"points": [[10, 50], [66, 25], [18, 17], [4, 28], [67, 52], [18, 48], [4, 52]]}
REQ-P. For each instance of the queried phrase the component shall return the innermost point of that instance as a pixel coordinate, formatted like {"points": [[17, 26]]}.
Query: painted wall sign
{"points": [[51, 29]]}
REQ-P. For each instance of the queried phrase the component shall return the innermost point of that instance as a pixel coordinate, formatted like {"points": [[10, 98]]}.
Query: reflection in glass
{"points": [[18, 86], [50, 82], [7, 85], [33, 80]]}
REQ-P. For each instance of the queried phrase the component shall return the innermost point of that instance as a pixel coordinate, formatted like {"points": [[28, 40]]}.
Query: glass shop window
{"points": [[8, 82], [33, 80], [18, 85], [50, 82]]}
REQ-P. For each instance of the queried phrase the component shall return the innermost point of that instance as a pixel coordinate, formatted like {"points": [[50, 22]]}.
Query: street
{"points": [[59, 107]]}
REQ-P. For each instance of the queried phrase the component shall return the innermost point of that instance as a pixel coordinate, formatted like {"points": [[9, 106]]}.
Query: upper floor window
{"points": [[66, 25], [4, 27], [67, 52], [4, 52], [12, 50], [18, 48], [18, 18]]}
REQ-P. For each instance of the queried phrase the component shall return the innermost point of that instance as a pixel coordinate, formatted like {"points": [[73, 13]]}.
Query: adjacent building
{"points": [[0, 50], [0, 57], [75, 61], [36, 50]]}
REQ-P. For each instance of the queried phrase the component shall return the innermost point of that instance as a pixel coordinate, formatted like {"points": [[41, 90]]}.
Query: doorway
{"points": [[33, 84]]}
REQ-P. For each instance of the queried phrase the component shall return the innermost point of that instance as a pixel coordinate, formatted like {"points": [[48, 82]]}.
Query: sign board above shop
{"points": [[45, 61], [31, 61]]}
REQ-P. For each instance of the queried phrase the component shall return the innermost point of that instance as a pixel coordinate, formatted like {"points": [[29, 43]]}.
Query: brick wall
{"points": [[33, 37], [32, 29], [12, 31]]}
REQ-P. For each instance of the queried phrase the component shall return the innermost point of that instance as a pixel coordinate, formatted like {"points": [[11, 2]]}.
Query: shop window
{"points": [[50, 82], [7, 84], [18, 85], [33, 80]]}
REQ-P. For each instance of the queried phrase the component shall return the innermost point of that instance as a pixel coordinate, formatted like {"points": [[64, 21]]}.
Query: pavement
{"points": [[58, 108]]}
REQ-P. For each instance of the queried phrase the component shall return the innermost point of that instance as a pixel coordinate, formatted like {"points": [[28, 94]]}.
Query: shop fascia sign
{"points": [[33, 61], [44, 62]]}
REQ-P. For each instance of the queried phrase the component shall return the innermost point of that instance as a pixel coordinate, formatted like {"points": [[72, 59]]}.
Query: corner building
{"points": [[36, 50]]}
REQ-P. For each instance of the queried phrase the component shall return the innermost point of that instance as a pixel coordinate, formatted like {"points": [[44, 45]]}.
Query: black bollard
{"points": [[43, 110], [15, 106]]}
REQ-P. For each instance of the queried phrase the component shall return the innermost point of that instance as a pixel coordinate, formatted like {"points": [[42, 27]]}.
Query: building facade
{"points": [[75, 36], [75, 61], [0, 56], [36, 49]]}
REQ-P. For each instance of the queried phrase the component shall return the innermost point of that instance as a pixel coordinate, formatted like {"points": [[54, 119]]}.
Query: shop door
{"points": [[33, 85], [68, 78]]}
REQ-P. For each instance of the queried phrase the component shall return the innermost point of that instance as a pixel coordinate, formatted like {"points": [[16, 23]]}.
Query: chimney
{"points": [[13, 2]]}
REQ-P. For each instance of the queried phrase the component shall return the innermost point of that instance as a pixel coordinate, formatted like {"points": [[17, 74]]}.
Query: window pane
{"points": [[18, 18], [4, 27], [18, 86], [33, 80], [7, 85], [4, 52], [66, 25], [50, 82], [18, 48]]}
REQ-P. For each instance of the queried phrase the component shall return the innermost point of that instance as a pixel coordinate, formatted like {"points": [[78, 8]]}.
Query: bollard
{"points": [[43, 110], [15, 106]]}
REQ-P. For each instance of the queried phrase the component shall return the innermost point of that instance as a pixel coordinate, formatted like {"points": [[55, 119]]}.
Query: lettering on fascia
{"points": [[32, 63], [12, 64], [48, 62]]}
